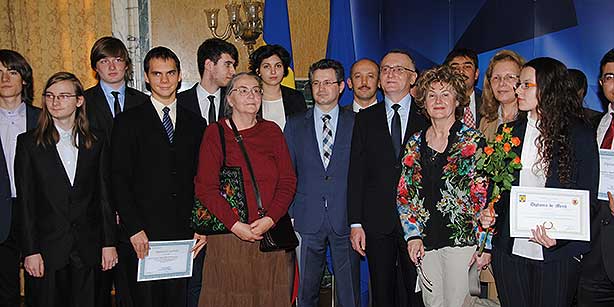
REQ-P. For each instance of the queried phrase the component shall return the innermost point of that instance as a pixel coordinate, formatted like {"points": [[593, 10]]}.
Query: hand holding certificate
{"points": [[606, 173], [166, 260], [563, 213]]}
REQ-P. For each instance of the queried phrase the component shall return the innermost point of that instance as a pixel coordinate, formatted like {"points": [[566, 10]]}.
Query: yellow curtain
{"points": [[54, 35]]}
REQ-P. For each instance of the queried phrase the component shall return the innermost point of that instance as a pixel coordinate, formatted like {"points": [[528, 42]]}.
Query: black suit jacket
{"points": [[375, 169], [153, 179], [478, 104], [55, 218], [585, 176], [189, 100], [293, 100], [6, 203], [98, 112]]}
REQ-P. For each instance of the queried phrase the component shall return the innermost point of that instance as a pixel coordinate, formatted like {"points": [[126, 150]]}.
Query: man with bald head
{"points": [[363, 81], [375, 168]]}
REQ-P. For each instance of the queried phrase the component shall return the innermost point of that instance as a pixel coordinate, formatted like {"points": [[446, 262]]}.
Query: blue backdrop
{"points": [[576, 32]]}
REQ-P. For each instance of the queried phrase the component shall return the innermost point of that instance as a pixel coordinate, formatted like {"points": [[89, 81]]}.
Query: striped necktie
{"points": [[168, 124], [327, 140]]}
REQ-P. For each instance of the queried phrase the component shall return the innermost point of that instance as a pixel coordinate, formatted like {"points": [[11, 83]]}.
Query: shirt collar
{"points": [[404, 103], [318, 113], [64, 134], [160, 106], [19, 111], [204, 92], [357, 107], [107, 89]]}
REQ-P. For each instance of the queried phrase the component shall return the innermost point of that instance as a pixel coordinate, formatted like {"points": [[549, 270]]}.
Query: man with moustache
{"points": [[216, 60], [465, 61], [319, 207], [363, 80], [375, 168], [154, 152], [596, 287], [17, 115]]}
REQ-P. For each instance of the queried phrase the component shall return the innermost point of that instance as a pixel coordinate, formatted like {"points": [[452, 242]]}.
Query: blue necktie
{"points": [[168, 124]]}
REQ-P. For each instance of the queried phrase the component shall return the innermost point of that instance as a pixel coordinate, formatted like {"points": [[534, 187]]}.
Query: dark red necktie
{"points": [[609, 135]]}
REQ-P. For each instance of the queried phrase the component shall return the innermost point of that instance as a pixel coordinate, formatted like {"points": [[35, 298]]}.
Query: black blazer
{"points": [[6, 202], [375, 170], [98, 111], [585, 176], [293, 100], [55, 218], [478, 104], [153, 179], [189, 100]]}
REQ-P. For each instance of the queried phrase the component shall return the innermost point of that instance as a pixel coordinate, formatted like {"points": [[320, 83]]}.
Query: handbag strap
{"points": [[239, 139], [223, 141]]}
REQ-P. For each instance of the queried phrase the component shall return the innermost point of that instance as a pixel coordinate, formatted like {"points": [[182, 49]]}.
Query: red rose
{"points": [[409, 160], [468, 150]]}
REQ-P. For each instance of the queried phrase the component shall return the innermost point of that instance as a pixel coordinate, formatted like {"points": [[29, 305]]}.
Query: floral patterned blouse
{"points": [[443, 190]]}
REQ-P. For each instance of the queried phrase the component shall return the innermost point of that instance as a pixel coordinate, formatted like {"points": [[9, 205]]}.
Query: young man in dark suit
{"points": [[375, 168], [319, 142], [596, 286], [110, 60], [17, 115], [216, 61], [154, 151], [466, 62]]}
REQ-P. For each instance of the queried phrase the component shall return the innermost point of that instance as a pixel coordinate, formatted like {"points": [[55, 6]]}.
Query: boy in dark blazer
{"points": [[17, 115], [154, 155]]}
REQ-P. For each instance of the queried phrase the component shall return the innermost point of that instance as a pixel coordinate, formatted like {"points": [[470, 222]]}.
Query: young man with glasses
{"points": [[319, 208], [596, 286], [17, 115], [375, 168]]}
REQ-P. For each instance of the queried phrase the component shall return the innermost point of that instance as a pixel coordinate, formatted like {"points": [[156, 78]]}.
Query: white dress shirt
{"points": [[159, 109], [12, 123], [356, 107], [68, 153], [604, 124], [204, 103], [530, 176], [405, 104]]}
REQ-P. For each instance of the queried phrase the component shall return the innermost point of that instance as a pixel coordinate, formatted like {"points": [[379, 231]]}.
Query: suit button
{"points": [[74, 225], [605, 222], [326, 177], [174, 195], [397, 166]]}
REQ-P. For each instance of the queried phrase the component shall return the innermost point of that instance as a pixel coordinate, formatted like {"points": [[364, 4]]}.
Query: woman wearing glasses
{"points": [[236, 273], [440, 191], [271, 63], [499, 103], [558, 150], [64, 220]]}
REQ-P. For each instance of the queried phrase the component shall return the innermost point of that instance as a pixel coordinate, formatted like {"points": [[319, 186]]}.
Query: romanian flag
{"points": [[277, 32]]}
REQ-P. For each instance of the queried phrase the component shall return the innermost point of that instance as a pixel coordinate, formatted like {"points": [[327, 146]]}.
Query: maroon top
{"points": [[270, 159]]}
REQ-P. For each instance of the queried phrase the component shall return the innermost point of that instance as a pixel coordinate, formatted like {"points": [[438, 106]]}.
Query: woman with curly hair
{"points": [[440, 191], [272, 64], [499, 103], [558, 150]]}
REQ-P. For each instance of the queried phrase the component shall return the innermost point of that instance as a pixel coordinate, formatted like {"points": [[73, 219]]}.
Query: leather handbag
{"points": [[231, 188], [281, 236]]}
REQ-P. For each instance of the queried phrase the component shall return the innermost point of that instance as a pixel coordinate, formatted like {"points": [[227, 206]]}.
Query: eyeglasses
{"points": [[397, 70], [509, 78], [525, 85], [607, 77], [61, 97], [244, 91], [325, 83]]}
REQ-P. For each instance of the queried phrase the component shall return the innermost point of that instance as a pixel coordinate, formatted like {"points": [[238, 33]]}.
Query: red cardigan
{"points": [[268, 153]]}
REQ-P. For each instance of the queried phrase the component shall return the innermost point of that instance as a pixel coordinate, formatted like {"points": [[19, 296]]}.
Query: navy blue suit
{"points": [[319, 208]]}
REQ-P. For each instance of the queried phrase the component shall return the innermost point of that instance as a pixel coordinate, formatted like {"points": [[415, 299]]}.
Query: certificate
{"points": [[166, 260], [563, 212], [606, 173]]}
